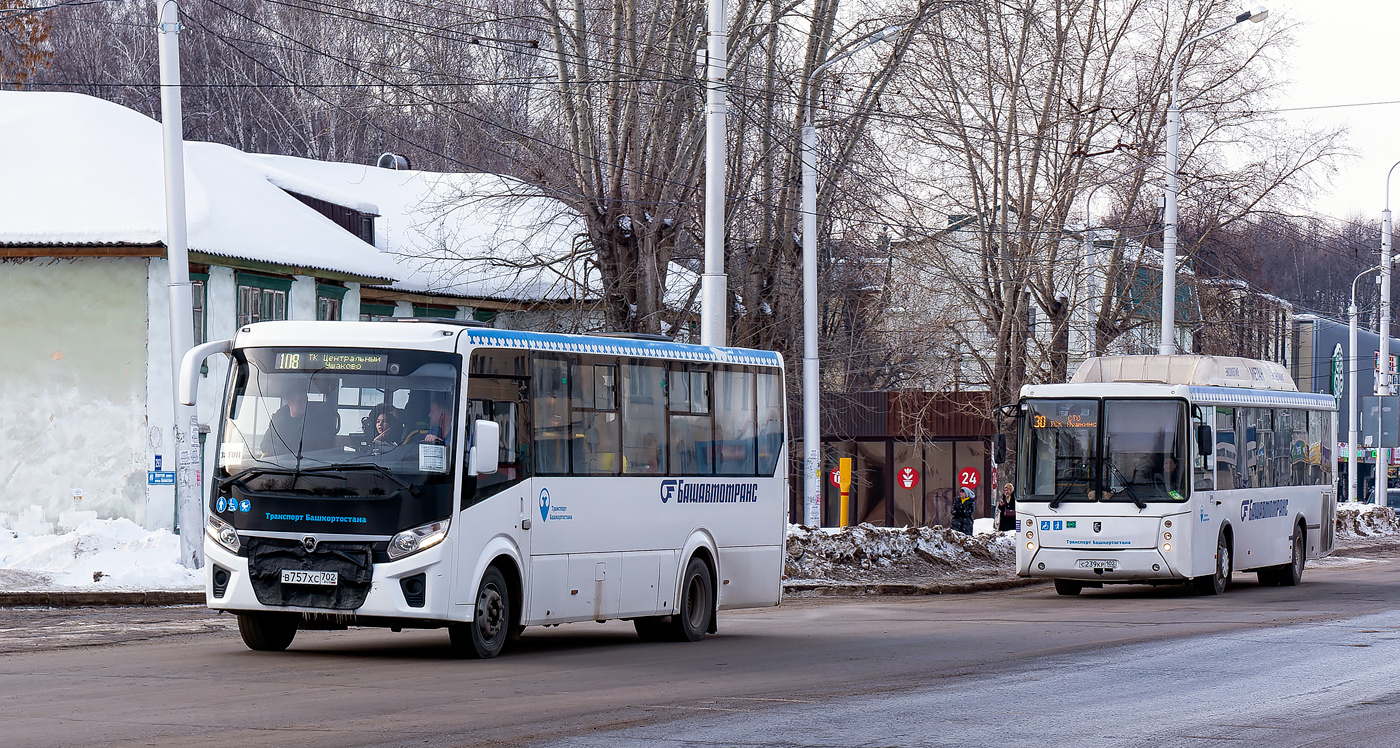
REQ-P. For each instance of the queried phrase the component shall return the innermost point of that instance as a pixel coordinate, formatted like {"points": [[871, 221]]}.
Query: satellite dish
{"points": [[392, 161]]}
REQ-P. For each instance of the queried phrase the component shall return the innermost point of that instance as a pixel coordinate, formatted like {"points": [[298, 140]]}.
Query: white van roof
{"points": [[1219, 371]]}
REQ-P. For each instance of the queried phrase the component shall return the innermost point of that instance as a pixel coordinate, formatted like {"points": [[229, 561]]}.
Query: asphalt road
{"points": [[1312, 665]]}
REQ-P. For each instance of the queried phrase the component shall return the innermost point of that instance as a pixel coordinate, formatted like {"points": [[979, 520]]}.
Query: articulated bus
{"points": [[426, 473], [1173, 469]]}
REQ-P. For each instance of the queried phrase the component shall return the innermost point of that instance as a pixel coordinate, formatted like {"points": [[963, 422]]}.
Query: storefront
{"points": [[911, 452]]}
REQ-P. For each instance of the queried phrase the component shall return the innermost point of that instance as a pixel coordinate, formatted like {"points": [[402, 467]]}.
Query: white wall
{"points": [[72, 408]]}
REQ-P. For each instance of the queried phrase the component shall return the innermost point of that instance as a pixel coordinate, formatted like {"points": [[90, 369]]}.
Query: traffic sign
{"points": [[969, 478], [836, 477], [907, 477]]}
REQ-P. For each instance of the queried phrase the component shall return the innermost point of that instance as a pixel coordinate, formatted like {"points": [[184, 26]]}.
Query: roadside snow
{"points": [[1366, 521], [88, 554], [866, 553]]}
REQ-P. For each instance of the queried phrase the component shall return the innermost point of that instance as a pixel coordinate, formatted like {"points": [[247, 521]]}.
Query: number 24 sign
{"points": [[969, 477]]}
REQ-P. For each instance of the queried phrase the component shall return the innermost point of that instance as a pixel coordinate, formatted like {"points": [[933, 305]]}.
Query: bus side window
{"points": [[770, 421], [1203, 474], [549, 390]]}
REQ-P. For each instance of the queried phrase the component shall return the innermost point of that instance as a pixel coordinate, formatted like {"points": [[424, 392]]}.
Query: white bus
{"points": [[1170, 469], [425, 473]]}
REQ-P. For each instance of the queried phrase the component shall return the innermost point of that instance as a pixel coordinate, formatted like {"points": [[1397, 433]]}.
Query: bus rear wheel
{"points": [[1215, 584], [1068, 587], [696, 604], [1291, 573], [492, 623], [267, 632]]}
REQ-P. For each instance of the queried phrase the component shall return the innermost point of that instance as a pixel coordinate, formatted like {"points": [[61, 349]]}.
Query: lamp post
{"points": [[1353, 427], [1168, 345], [1091, 257], [1384, 387], [811, 379]]}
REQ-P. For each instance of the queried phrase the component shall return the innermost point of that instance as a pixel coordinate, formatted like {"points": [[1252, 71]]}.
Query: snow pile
{"points": [[1366, 521], [866, 553], [89, 554]]}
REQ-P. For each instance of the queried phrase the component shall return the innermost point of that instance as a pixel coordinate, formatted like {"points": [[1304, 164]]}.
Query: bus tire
{"points": [[1291, 573], [696, 605], [1215, 584], [492, 622], [1068, 587], [267, 632]]}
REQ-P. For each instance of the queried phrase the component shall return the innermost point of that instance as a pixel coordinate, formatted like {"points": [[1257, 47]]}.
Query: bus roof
{"points": [[1209, 371], [432, 334]]}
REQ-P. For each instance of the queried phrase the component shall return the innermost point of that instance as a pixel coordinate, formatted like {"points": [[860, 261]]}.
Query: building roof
{"points": [[481, 236], [81, 171]]}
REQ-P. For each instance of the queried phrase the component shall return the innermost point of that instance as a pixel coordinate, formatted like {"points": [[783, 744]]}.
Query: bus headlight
{"points": [[222, 533], [417, 539]]}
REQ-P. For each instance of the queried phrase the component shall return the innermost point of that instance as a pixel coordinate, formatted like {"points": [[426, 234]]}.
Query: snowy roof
{"points": [[83, 171], [473, 235], [479, 235]]}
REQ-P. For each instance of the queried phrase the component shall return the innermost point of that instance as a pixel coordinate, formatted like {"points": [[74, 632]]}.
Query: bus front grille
{"points": [[352, 562]]}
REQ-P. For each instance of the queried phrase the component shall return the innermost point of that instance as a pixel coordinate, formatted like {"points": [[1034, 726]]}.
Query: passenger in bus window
{"points": [[299, 427]]}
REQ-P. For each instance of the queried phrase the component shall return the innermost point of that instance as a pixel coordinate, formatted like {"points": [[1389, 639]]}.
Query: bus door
{"points": [[498, 504]]}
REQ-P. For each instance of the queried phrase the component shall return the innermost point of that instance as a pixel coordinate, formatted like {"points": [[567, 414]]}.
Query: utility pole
{"points": [[183, 426], [714, 290]]}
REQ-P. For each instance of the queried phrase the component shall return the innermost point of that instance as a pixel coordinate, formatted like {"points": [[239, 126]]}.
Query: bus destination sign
{"points": [[322, 361]]}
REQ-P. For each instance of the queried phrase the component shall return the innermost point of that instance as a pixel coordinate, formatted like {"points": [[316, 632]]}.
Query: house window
{"points": [[329, 300], [198, 282], [370, 312], [261, 298], [420, 310]]}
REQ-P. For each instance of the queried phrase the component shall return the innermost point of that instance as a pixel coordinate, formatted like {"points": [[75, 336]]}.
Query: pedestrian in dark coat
{"points": [[963, 510], [1006, 509]]}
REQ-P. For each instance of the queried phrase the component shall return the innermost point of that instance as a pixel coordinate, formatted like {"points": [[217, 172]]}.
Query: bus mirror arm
{"points": [[484, 461], [189, 367]]}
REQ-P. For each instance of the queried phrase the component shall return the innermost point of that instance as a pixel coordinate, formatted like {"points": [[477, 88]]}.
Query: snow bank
{"points": [[1366, 521], [90, 554], [865, 552]]}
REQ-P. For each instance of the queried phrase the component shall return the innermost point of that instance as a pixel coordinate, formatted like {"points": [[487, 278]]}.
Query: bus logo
{"points": [[544, 504]]}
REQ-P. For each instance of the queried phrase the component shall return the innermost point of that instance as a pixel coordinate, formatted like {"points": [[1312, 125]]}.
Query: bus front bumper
{"points": [[1131, 565], [386, 598]]}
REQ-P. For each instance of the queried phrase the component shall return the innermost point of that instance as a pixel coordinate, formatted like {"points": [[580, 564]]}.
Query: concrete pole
{"points": [[184, 428], [713, 284], [1167, 346], [1353, 425], [1383, 387], [811, 379]]}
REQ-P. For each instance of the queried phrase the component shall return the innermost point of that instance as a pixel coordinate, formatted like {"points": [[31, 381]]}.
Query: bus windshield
{"points": [[1109, 450], [339, 422]]}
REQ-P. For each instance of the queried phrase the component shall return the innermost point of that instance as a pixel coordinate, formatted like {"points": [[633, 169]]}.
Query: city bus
{"points": [[439, 474], [1173, 469]]}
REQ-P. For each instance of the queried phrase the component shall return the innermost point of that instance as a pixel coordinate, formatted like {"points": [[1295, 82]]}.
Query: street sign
{"points": [[969, 478], [836, 477], [160, 477], [907, 477]]}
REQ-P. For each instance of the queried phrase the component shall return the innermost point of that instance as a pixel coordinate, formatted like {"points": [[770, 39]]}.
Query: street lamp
{"points": [[1168, 344], [811, 380], [1353, 426]]}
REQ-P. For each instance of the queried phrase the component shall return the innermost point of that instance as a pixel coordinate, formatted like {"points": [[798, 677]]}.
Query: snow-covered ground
{"points": [[84, 553]]}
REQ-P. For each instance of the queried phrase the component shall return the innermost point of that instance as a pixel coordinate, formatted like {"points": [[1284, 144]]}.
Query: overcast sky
{"points": [[1343, 49]]}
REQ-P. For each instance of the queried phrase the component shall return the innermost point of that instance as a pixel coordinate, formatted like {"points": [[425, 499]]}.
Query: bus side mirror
{"points": [[189, 367], [1203, 445], [999, 448], [486, 448]]}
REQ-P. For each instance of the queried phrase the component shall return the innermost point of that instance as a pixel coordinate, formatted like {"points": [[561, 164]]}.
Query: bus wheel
{"points": [[485, 636], [1291, 573], [1216, 583], [267, 632], [1067, 587], [696, 605]]}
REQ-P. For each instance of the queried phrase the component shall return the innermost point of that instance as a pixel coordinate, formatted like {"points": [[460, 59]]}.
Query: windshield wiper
{"points": [[1060, 495], [360, 466], [1126, 486]]}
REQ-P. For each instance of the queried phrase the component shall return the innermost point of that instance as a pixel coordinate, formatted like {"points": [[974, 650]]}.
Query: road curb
{"points": [[857, 589], [93, 599]]}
